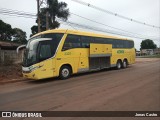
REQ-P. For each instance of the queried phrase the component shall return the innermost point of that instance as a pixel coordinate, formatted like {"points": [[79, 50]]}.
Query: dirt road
{"points": [[136, 88]]}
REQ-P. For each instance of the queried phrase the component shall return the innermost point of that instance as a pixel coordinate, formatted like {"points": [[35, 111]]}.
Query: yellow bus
{"points": [[62, 53]]}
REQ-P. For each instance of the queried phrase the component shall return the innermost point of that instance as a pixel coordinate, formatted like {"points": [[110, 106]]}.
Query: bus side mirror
{"points": [[22, 46]]}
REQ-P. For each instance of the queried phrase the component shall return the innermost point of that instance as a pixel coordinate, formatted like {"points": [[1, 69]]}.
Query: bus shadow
{"points": [[42, 81], [56, 79], [98, 71], [91, 72]]}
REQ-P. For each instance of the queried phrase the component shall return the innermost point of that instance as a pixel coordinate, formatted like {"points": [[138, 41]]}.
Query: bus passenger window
{"points": [[99, 40], [120, 43], [131, 44], [85, 41], [72, 41]]}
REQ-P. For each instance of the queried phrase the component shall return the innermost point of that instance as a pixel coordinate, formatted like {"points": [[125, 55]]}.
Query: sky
{"points": [[146, 11]]}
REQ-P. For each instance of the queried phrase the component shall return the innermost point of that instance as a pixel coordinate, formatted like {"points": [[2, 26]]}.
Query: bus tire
{"points": [[119, 65], [65, 72], [124, 64]]}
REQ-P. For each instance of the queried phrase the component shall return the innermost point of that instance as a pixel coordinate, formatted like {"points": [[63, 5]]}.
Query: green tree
{"points": [[13, 35], [6, 31], [54, 9], [19, 36], [34, 30], [148, 44]]}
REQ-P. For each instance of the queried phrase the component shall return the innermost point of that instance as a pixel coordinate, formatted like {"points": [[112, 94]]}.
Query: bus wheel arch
{"points": [[125, 63], [119, 64], [65, 71]]}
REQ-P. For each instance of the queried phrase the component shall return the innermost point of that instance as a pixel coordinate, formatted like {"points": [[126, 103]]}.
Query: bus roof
{"points": [[77, 32]]}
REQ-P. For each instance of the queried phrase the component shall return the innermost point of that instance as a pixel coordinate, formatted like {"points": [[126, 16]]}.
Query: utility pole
{"points": [[38, 17]]}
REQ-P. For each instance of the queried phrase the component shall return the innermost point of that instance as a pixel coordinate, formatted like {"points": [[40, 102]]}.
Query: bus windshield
{"points": [[41, 48]]}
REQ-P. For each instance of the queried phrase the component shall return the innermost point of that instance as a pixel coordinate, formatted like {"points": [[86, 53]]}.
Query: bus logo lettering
{"points": [[120, 51], [67, 53]]}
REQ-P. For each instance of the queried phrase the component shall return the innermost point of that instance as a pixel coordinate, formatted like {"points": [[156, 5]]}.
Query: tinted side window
{"points": [[114, 43], [126, 44], [45, 50], [56, 37], [72, 41], [131, 44], [99, 40], [86, 41], [108, 41], [118, 43]]}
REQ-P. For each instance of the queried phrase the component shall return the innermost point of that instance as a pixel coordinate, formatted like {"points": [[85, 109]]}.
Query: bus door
{"points": [[45, 57], [83, 60]]}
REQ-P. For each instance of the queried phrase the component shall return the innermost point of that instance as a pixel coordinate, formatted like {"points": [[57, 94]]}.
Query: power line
{"points": [[23, 12], [115, 14], [73, 25], [26, 14], [103, 30], [16, 13], [107, 25]]}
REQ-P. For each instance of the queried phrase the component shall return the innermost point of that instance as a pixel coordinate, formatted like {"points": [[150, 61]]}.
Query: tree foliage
{"points": [[19, 36], [55, 10], [6, 31], [148, 44], [14, 35], [34, 30]]}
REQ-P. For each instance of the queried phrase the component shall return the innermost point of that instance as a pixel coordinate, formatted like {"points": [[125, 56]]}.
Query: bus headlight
{"points": [[30, 69]]}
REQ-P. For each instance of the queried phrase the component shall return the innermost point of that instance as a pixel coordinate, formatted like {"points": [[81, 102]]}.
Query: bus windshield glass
{"points": [[40, 48]]}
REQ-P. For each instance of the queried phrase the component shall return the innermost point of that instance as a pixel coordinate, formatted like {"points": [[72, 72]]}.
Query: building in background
{"points": [[8, 53], [144, 52]]}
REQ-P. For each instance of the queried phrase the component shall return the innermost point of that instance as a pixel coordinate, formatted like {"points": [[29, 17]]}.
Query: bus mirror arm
{"points": [[22, 46]]}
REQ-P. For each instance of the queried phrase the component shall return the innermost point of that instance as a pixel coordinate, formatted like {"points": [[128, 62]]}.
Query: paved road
{"points": [[136, 88]]}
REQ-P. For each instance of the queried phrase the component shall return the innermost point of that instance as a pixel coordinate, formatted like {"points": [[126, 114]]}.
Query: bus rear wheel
{"points": [[125, 64], [119, 65], [65, 72]]}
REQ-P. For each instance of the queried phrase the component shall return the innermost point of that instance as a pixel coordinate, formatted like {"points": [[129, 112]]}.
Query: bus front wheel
{"points": [[65, 72]]}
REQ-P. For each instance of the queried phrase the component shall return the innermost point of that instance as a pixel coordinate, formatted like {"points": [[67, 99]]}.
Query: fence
{"points": [[8, 57]]}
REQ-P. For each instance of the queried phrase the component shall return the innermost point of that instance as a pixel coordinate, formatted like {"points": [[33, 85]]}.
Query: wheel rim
{"points": [[65, 72], [124, 64], [118, 65]]}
